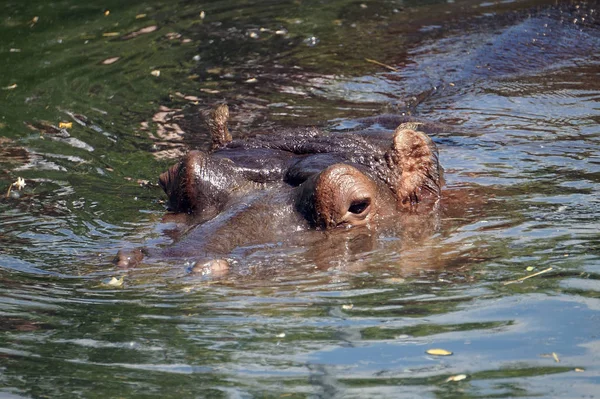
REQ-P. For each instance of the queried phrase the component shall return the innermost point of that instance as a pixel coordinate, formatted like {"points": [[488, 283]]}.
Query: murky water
{"points": [[349, 316]]}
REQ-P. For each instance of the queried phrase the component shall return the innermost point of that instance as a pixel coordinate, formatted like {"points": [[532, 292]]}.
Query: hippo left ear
{"points": [[413, 161]]}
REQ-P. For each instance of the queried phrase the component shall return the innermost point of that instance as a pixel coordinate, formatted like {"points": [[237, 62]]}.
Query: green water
{"points": [[347, 317]]}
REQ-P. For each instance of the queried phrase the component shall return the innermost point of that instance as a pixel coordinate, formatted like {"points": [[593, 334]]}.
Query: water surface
{"points": [[351, 316]]}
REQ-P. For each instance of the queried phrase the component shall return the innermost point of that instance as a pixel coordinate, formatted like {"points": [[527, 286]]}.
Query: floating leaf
{"points": [[147, 29], [555, 357], [110, 34], [106, 13], [109, 61], [579, 370], [530, 268], [189, 98], [173, 35], [115, 282], [140, 16], [439, 352], [347, 307], [252, 80], [210, 91], [11, 87], [65, 125], [456, 378], [156, 73], [394, 280]]}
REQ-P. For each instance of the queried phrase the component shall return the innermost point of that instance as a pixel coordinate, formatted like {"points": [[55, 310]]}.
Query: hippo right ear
{"points": [[217, 125], [413, 160]]}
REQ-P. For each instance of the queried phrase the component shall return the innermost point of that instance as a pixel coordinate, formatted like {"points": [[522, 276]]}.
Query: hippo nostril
{"points": [[359, 206]]}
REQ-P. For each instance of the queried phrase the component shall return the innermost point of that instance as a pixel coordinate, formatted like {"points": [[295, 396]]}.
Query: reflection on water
{"points": [[318, 315]]}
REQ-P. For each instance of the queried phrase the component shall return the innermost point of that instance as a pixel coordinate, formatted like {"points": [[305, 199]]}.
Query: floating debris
{"points": [[438, 352], [65, 125], [114, 282], [555, 357], [106, 13], [391, 68], [19, 185], [579, 370], [11, 87], [15, 50], [456, 378], [210, 91], [156, 73], [394, 280], [282, 335], [311, 41], [202, 14], [214, 71], [187, 97], [110, 34], [526, 277], [251, 80], [347, 307], [143, 31], [111, 60], [173, 35]]}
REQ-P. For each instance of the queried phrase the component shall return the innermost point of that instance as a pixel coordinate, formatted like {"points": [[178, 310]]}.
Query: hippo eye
{"points": [[359, 206]]}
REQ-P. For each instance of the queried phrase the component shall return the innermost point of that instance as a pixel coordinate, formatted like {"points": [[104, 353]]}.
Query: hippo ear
{"points": [[175, 184], [200, 184], [217, 125], [413, 160]]}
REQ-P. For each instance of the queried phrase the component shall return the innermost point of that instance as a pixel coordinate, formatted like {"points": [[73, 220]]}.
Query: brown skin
{"points": [[217, 125], [258, 190]]}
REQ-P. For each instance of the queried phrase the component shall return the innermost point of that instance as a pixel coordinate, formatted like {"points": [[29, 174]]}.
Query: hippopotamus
{"points": [[259, 189]]}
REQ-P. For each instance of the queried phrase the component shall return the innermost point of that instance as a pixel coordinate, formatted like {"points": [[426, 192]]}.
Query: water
{"points": [[349, 316]]}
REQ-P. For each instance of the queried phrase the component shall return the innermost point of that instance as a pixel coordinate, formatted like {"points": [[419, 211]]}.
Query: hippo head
{"points": [[258, 189], [333, 185]]}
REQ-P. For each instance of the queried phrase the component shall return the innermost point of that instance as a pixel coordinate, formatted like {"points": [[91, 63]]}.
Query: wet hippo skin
{"points": [[260, 189]]}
